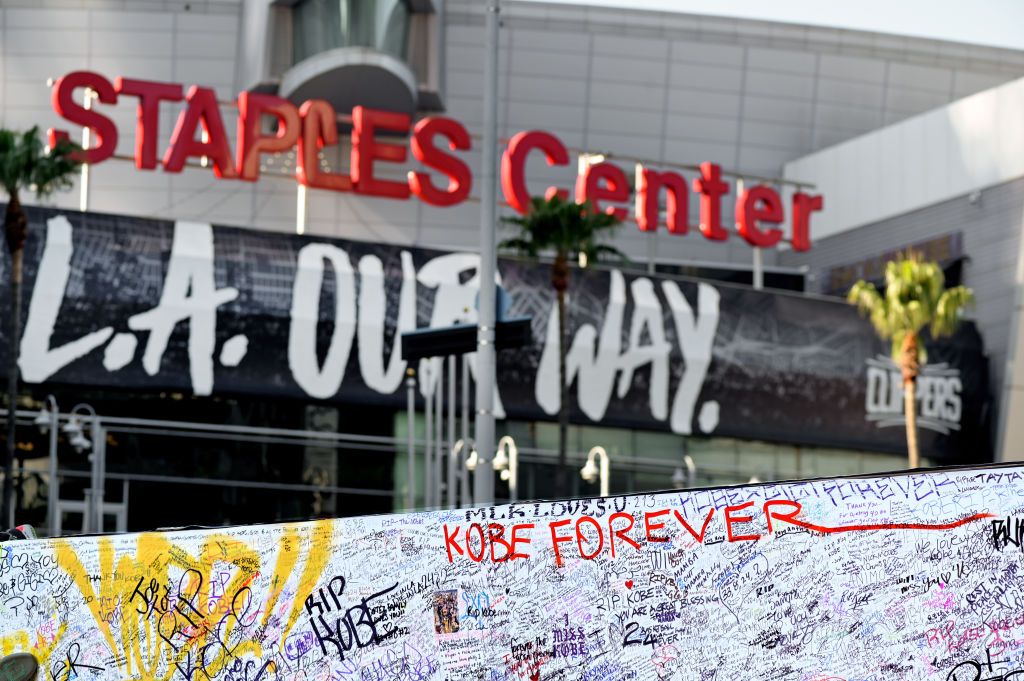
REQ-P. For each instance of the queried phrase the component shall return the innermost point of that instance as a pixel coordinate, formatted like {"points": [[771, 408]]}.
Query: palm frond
{"points": [[561, 227], [55, 170], [915, 297], [949, 308], [520, 246], [610, 251], [25, 163], [871, 304]]}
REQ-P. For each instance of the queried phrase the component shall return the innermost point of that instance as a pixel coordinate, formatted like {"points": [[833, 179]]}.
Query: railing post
{"points": [[410, 410]]}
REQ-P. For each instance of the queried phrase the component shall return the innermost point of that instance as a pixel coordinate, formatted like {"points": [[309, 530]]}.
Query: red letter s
{"points": [[426, 152], [65, 106]]}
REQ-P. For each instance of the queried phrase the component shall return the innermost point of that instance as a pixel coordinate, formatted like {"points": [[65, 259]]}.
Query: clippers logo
{"points": [[938, 396]]}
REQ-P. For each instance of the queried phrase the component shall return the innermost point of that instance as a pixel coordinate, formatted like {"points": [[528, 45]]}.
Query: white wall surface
{"points": [[973, 143], [668, 87]]}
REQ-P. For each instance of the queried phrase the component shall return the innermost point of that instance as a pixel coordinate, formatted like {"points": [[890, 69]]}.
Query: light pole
{"points": [[48, 420], [463, 445], [506, 460], [410, 450], [483, 488], [589, 472], [93, 517]]}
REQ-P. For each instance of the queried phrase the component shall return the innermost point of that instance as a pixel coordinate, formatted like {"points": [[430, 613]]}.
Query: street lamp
{"points": [[74, 429], [472, 459], [678, 478], [590, 473], [44, 419], [465, 466], [687, 479], [76, 438], [47, 421], [506, 460]]}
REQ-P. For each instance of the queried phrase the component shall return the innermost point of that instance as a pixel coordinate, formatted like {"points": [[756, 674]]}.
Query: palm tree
{"points": [[570, 230], [915, 297], [24, 164]]}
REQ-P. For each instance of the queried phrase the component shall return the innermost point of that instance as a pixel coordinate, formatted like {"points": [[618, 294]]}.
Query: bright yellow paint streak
{"points": [[18, 642], [320, 545], [143, 646], [286, 559]]}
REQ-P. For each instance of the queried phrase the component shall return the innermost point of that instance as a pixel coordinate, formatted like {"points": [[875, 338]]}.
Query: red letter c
{"points": [[513, 161]]}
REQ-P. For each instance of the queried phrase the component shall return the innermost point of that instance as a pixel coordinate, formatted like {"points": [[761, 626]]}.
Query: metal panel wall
{"points": [[990, 223]]}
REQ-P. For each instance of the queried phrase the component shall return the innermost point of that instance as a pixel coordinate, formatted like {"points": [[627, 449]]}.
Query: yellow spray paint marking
{"points": [[185, 623], [215, 623], [286, 559], [320, 545], [18, 642], [149, 563], [68, 561]]}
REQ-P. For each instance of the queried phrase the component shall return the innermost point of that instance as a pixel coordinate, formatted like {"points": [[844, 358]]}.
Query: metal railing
{"points": [[441, 463], [96, 510]]}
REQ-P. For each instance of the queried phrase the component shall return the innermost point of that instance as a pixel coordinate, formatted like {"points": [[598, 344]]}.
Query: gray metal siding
{"points": [[680, 88], [991, 229]]}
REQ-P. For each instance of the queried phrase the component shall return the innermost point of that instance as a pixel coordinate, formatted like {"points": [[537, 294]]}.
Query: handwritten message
{"points": [[914, 576]]}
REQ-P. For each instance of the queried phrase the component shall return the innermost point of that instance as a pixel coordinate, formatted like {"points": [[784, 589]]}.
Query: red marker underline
{"points": [[888, 526]]}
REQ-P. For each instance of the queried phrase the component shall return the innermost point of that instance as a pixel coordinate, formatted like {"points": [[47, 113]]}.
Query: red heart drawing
{"points": [[629, 583], [535, 676]]}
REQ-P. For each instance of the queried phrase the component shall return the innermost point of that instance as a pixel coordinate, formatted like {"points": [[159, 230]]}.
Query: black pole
{"points": [[16, 232], [12, 387]]}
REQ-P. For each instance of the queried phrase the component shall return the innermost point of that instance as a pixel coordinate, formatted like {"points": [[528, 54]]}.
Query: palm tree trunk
{"points": [[562, 478], [910, 365], [910, 408], [15, 225], [560, 282]]}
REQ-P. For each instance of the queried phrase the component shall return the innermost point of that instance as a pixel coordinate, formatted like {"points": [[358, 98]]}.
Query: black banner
{"points": [[153, 305]]}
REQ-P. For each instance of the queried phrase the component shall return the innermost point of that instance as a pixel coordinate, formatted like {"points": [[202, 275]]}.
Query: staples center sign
{"points": [[313, 126]]}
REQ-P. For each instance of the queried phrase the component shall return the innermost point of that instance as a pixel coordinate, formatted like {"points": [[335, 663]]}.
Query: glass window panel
{"points": [[540, 482], [618, 442], [830, 463], [525, 434], [881, 463], [787, 461], [713, 456], [546, 435], [758, 459], [667, 446], [321, 25], [647, 481]]}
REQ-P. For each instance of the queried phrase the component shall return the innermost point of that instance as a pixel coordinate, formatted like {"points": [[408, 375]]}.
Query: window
{"points": [[321, 25]]}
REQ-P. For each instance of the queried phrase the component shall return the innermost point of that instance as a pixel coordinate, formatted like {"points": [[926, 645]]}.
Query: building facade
{"points": [[618, 89], [952, 188]]}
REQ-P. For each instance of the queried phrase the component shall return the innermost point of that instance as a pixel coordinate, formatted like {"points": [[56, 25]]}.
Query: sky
{"points": [[986, 22]]}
